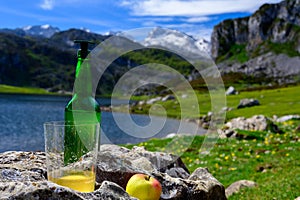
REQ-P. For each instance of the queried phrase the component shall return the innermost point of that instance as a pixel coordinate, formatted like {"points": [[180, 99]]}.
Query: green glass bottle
{"points": [[82, 108]]}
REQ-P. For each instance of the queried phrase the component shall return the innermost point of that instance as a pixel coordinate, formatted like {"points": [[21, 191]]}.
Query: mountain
{"points": [[36, 61], [42, 56], [265, 44], [44, 30], [173, 39]]}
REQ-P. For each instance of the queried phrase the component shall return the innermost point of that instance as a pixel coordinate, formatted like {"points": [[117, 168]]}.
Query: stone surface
{"points": [[231, 91], [248, 103], [22, 166], [168, 97], [254, 123], [288, 117], [200, 185], [23, 176], [204, 121], [238, 185], [118, 164], [47, 190]]}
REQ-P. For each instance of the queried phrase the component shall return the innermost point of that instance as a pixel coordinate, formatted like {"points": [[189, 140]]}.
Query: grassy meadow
{"points": [[7, 89], [279, 101], [269, 159]]}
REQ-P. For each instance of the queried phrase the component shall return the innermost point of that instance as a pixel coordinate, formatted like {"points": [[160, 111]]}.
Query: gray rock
{"points": [[248, 103], [153, 100], [231, 91], [117, 164], [238, 185], [204, 121], [278, 67], [288, 117], [22, 166], [168, 97], [23, 176], [254, 123], [47, 190], [200, 185], [177, 172], [161, 161]]}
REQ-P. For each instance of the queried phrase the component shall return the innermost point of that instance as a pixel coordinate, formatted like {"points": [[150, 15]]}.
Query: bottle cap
{"points": [[83, 51]]}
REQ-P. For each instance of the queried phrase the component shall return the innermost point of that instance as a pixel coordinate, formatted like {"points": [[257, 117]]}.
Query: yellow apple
{"points": [[144, 187]]}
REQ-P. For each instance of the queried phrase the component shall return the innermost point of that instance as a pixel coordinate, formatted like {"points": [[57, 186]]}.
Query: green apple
{"points": [[144, 187]]}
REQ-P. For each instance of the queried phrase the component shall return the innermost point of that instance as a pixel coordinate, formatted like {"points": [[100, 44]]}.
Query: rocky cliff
{"points": [[267, 43]]}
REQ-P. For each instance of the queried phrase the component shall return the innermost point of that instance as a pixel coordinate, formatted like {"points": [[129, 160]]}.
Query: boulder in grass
{"points": [[231, 91], [287, 118], [238, 185], [248, 103], [254, 123]]}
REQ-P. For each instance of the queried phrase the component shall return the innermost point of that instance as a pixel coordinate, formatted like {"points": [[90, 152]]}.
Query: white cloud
{"points": [[47, 4], [191, 7], [152, 19], [198, 19]]}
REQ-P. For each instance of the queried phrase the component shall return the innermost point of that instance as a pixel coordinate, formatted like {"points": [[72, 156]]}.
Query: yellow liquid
{"points": [[80, 182]]}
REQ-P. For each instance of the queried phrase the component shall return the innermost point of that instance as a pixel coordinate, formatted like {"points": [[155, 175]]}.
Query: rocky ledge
{"points": [[23, 176]]}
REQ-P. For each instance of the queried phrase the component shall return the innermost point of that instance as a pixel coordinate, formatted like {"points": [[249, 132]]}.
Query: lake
{"points": [[22, 118]]}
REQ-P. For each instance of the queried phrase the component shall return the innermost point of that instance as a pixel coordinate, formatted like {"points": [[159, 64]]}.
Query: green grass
{"points": [[279, 101], [287, 48], [237, 52], [21, 90], [271, 160]]}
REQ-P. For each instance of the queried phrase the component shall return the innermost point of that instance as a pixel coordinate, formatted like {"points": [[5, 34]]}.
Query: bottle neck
{"points": [[83, 82]]}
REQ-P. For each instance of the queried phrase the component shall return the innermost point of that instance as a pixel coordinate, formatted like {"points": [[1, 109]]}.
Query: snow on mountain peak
{"points": [[26, 28], [176, 40], [85, 29], [44, 30], [46, 26]]}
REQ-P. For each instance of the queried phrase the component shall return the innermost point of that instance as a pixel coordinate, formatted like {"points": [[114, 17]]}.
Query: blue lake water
{"points": [[22, 118]]}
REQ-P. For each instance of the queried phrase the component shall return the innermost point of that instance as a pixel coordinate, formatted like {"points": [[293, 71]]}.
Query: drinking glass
{"points": [[79, 174]]}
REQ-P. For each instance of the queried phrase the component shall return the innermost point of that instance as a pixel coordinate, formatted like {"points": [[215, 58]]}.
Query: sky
{"points": [[194, 17]]}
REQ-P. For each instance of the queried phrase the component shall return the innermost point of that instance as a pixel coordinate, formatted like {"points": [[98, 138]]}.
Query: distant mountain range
{"points": [[43, 56], [174, 39], [265, 44], [45, 31]]}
